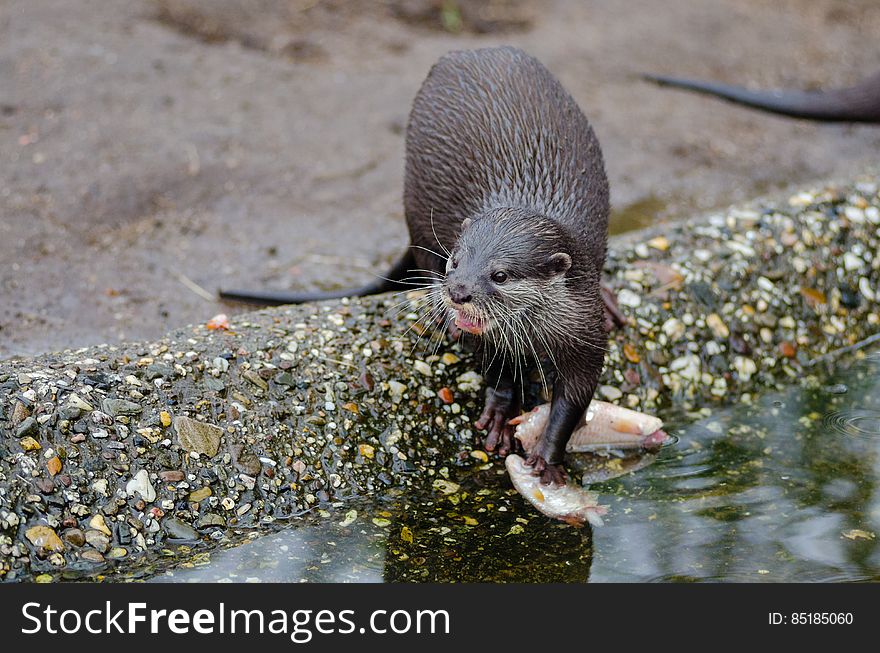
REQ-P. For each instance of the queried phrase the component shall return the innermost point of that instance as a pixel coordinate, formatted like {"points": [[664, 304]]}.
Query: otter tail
{"points": [[860, 103], [393, 280]]}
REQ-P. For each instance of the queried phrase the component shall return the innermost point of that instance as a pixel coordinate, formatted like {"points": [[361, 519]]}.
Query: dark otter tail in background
{"points": [[860, 103], [393, 280]]}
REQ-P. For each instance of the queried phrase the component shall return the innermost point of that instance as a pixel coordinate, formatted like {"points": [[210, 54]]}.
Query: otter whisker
{"points": [[546, 346], [571, 336], [437, 275], [433, 313], [434, 231], [520, 338], [540, 369], [398, 308], [430, 251], [416, 322], [416, 282], [408, 302], [439, 328], [520, 355], [501, 331]]}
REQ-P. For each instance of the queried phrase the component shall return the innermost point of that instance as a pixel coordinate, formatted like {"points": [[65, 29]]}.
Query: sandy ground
{"points": [[150, 147]]}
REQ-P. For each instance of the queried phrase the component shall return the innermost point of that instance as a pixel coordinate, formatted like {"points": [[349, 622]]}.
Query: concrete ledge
{"points": [[109, 454]]}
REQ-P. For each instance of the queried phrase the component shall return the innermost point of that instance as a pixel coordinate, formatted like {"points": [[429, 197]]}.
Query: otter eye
{"points": [[499, 277]]}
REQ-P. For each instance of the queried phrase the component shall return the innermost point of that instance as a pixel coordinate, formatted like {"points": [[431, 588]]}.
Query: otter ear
{"points": [[560, 262], [466, 223]]}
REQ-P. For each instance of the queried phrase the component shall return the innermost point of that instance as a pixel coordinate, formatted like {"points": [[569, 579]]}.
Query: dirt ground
{"points": [[152, 150]]}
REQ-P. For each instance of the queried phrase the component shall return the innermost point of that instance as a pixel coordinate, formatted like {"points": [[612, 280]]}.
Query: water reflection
{"points": [[784, 489], [292, 555]]}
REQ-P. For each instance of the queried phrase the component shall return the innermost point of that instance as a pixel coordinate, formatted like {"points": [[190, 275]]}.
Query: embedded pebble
{"points": [[851, 262], [744, 367], [98, 540], [141, 485], [74, 537], [610, 392], [200, 495], [29, 444], [75, 401], [117, 407], [198, 436], [396, 388], [628, 298], [688, 367], [28, 427], [469, 382], [673, 328], [716, 324], [178, 530], [44, 539], [97, 522], [90, 555]]}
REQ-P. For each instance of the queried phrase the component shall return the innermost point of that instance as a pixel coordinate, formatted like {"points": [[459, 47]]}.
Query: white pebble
{"points": [[745, 367], [627, 297], [854, 214], [765, 284], [140, 484], [688, 367], [610, 392], [673, 328], [852, 262], [865, 289]]}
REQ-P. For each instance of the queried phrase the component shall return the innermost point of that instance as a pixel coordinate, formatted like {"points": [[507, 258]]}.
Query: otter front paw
{"points": [[500, 407], [550, 473]]}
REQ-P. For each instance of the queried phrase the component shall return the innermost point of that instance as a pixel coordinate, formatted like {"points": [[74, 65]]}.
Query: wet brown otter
{"points": [[507, 204]]}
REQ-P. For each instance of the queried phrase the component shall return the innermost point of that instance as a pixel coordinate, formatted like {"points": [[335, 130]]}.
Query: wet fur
{"points": [[494, 138]]}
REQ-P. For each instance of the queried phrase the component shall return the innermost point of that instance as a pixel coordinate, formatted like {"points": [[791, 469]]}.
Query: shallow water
{"points": [[785, 489]]}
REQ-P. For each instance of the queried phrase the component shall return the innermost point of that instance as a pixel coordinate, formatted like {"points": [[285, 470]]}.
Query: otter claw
{"points": [[550, 473], [500, 432]]}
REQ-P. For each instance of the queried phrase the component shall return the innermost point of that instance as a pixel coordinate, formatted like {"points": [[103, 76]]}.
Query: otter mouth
{"points": [[469, 323]]}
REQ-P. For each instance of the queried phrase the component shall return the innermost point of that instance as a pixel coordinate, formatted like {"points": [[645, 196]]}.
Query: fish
{"points": [[603, 426], [569, 503]]}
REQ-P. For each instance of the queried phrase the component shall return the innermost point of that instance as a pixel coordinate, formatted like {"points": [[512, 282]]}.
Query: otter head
{"points": [[506, 271]]}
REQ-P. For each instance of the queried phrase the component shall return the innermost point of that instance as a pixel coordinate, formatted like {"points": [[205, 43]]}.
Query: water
{"points": [[785, 489]]}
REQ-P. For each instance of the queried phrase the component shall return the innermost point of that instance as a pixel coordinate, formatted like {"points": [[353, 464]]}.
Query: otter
{"points": [[859, 103], [507, 203]]}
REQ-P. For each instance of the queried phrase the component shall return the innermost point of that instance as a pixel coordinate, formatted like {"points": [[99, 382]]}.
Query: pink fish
{"points": [[570, 502], [603, 426]]}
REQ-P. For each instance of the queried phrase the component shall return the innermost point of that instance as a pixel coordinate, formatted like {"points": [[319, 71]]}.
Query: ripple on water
{"points": [[854, 423], [671, 441], [796, 574]]}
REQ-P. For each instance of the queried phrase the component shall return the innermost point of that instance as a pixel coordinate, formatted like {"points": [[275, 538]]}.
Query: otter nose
{"points": [[460, 294]]}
